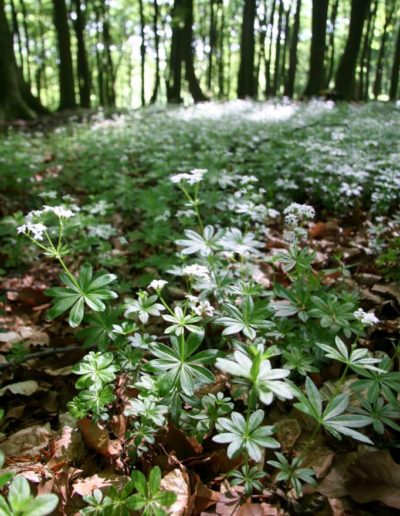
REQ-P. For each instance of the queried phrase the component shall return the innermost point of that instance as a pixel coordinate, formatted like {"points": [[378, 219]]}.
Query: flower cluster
{"points": [[368, 319], [194, 176]]}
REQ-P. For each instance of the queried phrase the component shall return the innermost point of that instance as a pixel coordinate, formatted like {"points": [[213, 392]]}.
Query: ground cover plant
{"points": [[200, 312]]}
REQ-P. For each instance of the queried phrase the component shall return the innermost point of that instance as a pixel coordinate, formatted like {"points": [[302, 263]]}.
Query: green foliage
{"points": [[81, 291], [292, 473]]}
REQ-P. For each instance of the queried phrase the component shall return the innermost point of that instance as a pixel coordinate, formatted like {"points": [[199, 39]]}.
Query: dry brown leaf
{"points": [[29, 441], [393, 289], [104, 480], [69, 445], [288, 430], [178, 482], [203, 497], [26, 388], [375, 477], [334, 484], [98, 439]]}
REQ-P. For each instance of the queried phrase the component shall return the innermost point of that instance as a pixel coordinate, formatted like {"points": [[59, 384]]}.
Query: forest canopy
{"points": [[64, 54]]}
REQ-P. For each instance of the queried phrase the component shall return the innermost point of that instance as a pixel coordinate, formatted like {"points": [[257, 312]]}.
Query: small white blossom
{"points": [[366, 318], [158, 284], [37, 230], [194, 176], [48, 195], [199, 271], [302, 211], [60, 211]]}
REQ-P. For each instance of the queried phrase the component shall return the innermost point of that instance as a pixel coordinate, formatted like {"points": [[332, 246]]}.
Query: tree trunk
{"points": [[331, 45], [66, 75], [142, 53], [246, 78], [188, 55], [394, 79], [220, 56], [377, 86], [27, 40], [361, 94], [268, 86], [157, 49], [278, 50], [16, 100], [212, 41], [318, 46], [182, 52], [82, 60], [345, 75], [17, 35], [291, 78], [174, 83], [286, 39]]}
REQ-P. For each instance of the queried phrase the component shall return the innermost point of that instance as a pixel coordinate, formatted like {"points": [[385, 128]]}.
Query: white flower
{"points": [[200, 307], [199, 271], [37, 230], [158, 284], [302, 211], [368, 319], [195, 176], [49, 195], [60, 211]]}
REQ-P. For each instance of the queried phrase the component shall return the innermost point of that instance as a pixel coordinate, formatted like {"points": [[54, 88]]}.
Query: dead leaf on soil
{"points": [[98, 439], [375, 477], [105, 479], [26, 388], [28, 442], [178, 482]]}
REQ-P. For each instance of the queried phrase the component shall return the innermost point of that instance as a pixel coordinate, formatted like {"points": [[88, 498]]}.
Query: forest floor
{"points": [[114, 174]]}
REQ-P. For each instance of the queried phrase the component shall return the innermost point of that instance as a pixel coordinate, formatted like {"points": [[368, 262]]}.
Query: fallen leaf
{"points": [[375, 477], [10, 337], [287, 431], [26, 388], [393, 289], [29, 441], [69, 445], [203, 497], [178, 482], [98, 439], [104, 480]]}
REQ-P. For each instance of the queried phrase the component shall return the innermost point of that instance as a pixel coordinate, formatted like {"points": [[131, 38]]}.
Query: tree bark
{"points": [[66, 74], [377, 86], [394, 79], [142, 53], [345, 75], [16, 100], [291, 78], [278, 50], [268, 85], [182, 52], [157, 49], [246, 78], [82, 60], [331, 45], [318, 46]]}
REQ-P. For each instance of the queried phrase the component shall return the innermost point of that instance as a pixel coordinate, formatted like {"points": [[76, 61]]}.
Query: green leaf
{"points": [[43, 505]]}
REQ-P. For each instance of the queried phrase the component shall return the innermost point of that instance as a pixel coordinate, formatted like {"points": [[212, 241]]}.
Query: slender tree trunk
{"points": [[109, 65], [286, 39], [318, 46], [157, 49], [188, 56], [142, 53], [174, 84], [17, 35], [368, 59], [82, 60], [16, 100], [345, 75], [221, 62], [394, 79], [182, 52], [262, 22], [212, 41], [291, 78], [268, 82], [377, 86], [278, 50], [364, 51], [331, 44], [27, 40], [66, 75], [99, 60], [246, 78]]}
